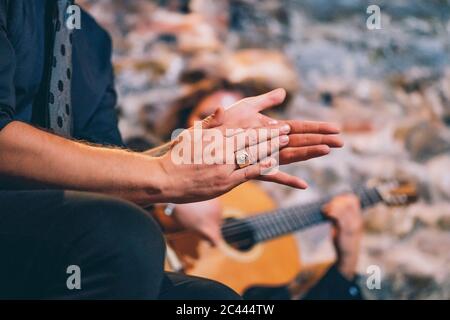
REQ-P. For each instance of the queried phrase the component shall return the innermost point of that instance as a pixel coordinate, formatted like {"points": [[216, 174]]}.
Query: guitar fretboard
{"points": [[283, 221]]}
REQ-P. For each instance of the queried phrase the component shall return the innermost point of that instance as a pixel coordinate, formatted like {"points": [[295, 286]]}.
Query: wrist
{"points": [[159, 176]]}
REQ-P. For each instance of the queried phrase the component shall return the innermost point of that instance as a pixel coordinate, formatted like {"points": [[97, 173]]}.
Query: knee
{"points": [[217, 291], [178, 286], [113, 228], [128, 227], [118, 247]]}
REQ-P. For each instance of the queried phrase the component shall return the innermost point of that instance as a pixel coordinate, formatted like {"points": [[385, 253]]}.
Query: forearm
{"points": [[32, 156]]}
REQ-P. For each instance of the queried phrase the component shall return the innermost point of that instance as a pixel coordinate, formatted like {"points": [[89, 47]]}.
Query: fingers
{"points": [[259, 171], [344, 210], [353, 201], [214, 120], [341, 203], [314, 139], [298, 126], [266, 101], [252, 137], [253, 171], [285, 179], [266, 148], [212, 234], [291, 155]]}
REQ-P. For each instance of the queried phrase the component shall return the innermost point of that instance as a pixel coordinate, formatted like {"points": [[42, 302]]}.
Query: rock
{"points": [[438, 169], [378, 219], [418, 139], [260, 66], [416, 269], [396, 221]]}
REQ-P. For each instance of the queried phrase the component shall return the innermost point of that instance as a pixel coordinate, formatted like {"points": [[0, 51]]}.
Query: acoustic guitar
{"points": [[258, 247]]}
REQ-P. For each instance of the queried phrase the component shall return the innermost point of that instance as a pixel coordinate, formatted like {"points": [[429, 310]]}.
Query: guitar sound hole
{"points": [[238, 234], [247, 246]]}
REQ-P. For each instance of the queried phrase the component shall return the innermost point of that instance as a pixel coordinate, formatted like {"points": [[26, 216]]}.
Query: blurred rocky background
{"points": [[389, 89]]}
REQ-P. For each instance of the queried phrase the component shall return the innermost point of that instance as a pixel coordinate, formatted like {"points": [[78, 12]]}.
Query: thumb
{"points": [[334, 233], [212, 235], [214, 120]]}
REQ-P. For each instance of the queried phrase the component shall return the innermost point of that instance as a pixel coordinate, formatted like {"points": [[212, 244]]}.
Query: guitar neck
{"points": [[283, 221]]}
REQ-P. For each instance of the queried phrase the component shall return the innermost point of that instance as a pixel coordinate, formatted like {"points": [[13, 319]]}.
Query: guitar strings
{"points": [[286, 213], [284, 220], [270, 225], [240, 238], [300, 220], [264, 219]]}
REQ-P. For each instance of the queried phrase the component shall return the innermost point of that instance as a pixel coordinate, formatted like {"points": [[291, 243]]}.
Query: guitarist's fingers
{"points": [[344, 212], [334, 234], [212, 234], [314, 139], [290, 155]]}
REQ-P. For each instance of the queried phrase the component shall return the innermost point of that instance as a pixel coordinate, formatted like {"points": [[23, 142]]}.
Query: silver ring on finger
{"points": [[242, 159]]}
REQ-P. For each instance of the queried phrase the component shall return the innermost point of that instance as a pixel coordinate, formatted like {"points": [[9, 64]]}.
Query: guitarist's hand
{"points": [[203, 217], [345, 212]]}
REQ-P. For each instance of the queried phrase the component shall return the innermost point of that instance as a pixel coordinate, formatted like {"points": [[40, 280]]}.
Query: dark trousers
{"points": [[118, 248]]}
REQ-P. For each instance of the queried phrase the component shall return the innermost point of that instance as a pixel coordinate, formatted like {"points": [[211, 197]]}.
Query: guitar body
{"points": [[272, 263]]}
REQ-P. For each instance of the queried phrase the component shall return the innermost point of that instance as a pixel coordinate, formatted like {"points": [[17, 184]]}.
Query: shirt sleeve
{"points": [[103, 126], [334, 286], [7, 70]]}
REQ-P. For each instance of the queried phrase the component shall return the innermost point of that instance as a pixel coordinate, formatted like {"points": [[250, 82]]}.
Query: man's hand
{"points": [[307, 139], [196, 171], [204, 218], [200, 181], [345, 212]]}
